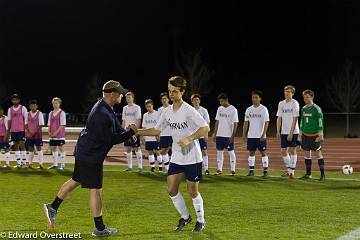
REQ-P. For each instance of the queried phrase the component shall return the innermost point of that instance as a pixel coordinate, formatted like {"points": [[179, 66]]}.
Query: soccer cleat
{"points": [[250, 174], [152, 170], [160, 169], [50, 214], [265, 174], [291, 176], [199, 227], [207, 172], [232, 173], [139, 170], [53, 167], [128, 170], [62, 167], [306, 177], [29, 166], [218, 173], [40, 166], [322, 178], [182, 223], [106, 232]]}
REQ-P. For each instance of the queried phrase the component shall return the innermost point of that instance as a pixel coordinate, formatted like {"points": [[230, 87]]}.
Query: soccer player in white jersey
{"points": [[288, 129], [152, 146], [185, 126], [254, 130], [165, 138], [195, 100], [226, 124], [131, 114]]}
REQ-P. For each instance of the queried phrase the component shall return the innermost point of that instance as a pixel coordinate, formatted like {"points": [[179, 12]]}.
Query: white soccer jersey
{"points": [[182, 123], [287, 111], [256, 116], [130, 114], [226, 116], [149, 121], [205, 115], [24, 112], [166, 131], [41, 117]]}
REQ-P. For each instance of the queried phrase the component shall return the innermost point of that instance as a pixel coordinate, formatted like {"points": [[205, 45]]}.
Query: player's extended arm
{"points": [[148, 132], [278, 126], [201, 132], [266, 126]]}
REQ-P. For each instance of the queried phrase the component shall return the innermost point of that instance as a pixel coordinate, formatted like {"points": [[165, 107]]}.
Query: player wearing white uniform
{"points": [[150, 118], [255, 127], [186, 126], [195, 100], [131, 114], [288, 129], [226, 124], [165, 138]]}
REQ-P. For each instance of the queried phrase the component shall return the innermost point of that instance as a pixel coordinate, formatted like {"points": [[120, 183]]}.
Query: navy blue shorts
{"points": [[224, 142], [131, 143], [4, 145], [285, 143], [17, 136], [203, 144], [166, 141], [255, 143], [193, 172], [55, 143], [31, 142], [152, 146]]}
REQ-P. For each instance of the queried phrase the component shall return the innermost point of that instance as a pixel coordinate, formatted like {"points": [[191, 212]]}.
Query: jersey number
{"points": [[307, 119]]}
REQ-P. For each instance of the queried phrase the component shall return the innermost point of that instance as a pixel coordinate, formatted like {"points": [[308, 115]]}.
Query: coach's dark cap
{"points": [[15, 95], [118, 89]]}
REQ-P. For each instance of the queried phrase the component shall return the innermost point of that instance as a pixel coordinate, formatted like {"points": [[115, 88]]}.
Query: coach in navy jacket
{"points": [[101, 132]]}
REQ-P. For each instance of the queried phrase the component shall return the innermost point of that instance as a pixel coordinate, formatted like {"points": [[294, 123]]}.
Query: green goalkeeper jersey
{"points": [[311, 119]]}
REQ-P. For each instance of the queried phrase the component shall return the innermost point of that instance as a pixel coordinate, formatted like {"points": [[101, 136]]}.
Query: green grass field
{"points": [[235, 207]]}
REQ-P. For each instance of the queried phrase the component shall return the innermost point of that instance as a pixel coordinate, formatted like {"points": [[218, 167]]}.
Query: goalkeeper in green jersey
{"points": [[311, 133]]}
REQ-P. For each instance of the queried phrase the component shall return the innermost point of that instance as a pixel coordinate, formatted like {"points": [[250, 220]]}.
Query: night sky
{"points": [[53, 48]]}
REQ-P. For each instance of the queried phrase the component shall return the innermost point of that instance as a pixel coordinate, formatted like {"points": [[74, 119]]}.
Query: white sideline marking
{"points": [[353, 235]]}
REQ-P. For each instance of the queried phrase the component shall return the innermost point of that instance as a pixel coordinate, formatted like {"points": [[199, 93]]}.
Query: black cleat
{"points": [[152, 170], [250, 174], [306, 177], [322, 178], [218, 173], [160, 169], [232, 173], [50, 214], [182, 223], [265, 174], [199, 227], [207, 172]]}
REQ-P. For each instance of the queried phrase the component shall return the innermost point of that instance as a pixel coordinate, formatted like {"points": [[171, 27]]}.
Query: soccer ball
{"points": [[347, 169]]}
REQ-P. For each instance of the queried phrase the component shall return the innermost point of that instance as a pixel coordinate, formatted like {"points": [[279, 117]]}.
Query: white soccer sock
{"points": [[62, 158], [293, 160], [166, 161], [287, 161], [18, 157], [152, 161], [220, 159], [199, 208], [180, 205], [41, 157], [206, 162], [31, 157], [55, 156], [265, 162], [129, 159], [139, 158], [23, 156], [232, 160], [251, 160], [159, 159], [7, 158]]}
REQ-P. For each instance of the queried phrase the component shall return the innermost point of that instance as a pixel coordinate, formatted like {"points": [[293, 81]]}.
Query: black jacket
{"points": [[102, 131]]}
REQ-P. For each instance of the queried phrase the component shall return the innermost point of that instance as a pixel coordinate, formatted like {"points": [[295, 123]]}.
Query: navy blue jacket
{"points": [[102, 131]]}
